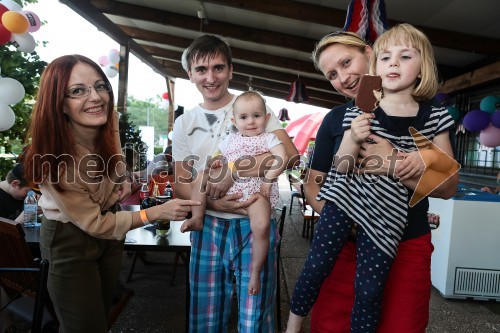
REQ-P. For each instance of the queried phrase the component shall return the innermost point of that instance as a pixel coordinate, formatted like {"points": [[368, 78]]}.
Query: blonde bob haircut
{"points": [[340, 37], [407, 35]]}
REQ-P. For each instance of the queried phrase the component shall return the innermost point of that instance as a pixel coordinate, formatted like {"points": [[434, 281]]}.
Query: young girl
{"points": [[378, 204], [250, 118]]}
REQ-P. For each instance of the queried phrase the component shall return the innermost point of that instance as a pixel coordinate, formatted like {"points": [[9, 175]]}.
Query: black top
{"points": [[10, 208], [328, 141]]}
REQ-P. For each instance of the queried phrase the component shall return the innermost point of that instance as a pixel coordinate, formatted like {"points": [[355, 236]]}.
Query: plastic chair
{"points": [[281, 224], [24, 278], [294, 193], [310, 216]]}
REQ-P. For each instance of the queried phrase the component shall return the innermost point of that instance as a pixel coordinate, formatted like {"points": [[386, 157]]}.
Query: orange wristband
{"points": [[144, 217]]}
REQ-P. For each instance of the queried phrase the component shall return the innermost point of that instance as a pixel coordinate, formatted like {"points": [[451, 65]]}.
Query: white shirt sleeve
{"points": [[272, 140], [273, 124], [180, 147]]}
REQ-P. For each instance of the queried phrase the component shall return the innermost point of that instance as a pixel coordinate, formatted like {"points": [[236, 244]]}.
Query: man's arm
{"points": [[182, 179], [291, 151]]}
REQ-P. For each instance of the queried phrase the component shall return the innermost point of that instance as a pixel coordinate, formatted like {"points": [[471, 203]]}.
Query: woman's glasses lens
{"points": [[82, 91]]}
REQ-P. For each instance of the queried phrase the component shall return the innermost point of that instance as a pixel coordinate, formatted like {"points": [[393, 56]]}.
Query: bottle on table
{"points": [[144, 191], [149, 200], [163, 226], [30, 210]]}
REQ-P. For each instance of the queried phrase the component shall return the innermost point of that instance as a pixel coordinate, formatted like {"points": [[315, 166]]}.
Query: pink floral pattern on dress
{"points": [[239, 146]]}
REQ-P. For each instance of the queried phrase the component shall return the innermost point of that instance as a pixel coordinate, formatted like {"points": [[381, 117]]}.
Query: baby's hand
{"points": [[265, 189], [217, 163], [361, 126]]}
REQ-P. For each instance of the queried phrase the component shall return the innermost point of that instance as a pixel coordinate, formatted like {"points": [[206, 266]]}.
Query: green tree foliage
{"points": [[25, 68], [140, 111]]}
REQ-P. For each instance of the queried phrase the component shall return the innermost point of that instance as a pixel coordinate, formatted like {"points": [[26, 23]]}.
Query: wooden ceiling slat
{"points": [[265, 86], [247, 69], [257, 57], [336, 18]]}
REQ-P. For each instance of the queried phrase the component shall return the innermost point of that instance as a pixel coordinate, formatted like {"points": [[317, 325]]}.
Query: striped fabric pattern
{"points": [[367, 18], [379, 203]]}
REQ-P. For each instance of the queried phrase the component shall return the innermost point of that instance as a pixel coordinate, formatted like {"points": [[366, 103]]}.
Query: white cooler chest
{"points": [[466, 258]]}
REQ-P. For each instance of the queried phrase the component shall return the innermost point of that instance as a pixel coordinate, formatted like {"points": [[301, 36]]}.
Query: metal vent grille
{"points": [[477, 282]]}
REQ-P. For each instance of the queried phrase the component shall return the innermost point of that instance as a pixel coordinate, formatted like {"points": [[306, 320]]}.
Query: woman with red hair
{"points": [[75, 158]]}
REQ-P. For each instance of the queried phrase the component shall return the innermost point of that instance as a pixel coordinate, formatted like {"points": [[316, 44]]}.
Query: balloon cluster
{"points": [[486, 120], [16, 25], [11, 92], [110, 62]]}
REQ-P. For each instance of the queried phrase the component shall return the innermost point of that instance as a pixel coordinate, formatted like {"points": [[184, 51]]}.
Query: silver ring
{"points": [[214, 198]]}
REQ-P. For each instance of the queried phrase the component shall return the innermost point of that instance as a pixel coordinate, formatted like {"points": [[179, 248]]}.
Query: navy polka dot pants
{"points": [[372, 269]]}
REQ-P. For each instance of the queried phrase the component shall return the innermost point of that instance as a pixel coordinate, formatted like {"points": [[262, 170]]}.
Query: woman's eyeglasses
{"points": [[79, 90]]}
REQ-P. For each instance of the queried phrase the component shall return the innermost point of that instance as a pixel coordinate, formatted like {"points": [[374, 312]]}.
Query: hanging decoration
{"points": [[110, 62], [367, 18], [486, 121], [11, 92], [298, 92], [283, 115], [16, 26], [165, 102]]}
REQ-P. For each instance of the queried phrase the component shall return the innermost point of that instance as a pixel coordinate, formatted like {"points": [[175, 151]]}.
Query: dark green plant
{"points": [[134, 148]]}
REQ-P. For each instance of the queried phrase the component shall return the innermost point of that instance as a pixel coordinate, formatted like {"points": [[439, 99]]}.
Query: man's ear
{"points": [[15, 183], [189, 74]]}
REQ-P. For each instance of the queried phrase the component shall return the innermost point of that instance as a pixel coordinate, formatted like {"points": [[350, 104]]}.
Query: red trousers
{"points": [[405, 307]]}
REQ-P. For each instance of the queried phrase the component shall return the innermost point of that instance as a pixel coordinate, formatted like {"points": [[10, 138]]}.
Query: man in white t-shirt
{"points": [[222, 250]]}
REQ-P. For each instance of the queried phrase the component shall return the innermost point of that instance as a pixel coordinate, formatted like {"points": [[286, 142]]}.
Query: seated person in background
{"points": [[135, 186], [495, 190], [13, 190], [160, 164]]}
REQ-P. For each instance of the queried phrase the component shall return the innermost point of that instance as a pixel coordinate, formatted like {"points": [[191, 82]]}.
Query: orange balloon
{"points": [[15, 22]]}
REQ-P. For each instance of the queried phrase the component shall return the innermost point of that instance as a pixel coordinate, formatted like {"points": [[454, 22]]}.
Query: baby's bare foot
{"points": [[192, 225], [254, 284]]}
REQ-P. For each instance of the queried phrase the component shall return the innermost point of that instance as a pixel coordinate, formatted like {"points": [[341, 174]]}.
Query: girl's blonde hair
{"points": [[408, 35], [340, 37]]}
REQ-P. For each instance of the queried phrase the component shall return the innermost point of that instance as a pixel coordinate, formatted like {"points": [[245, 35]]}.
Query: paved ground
{"points": [[158, 307]]}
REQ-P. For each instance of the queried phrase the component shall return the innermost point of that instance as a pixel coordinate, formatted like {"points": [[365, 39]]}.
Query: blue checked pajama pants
{"points": [[221, 251]]}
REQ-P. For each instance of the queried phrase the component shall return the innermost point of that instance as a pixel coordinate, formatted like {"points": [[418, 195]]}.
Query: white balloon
{"points": [[170, 135], [111, 70], [7, 117], [11, 91], [11, 5], [114, 56], [164, 104], [24, 42]]}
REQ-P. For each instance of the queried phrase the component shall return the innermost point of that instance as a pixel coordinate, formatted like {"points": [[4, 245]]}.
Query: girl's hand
{"points": [[361, 126], [411, 166]]}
